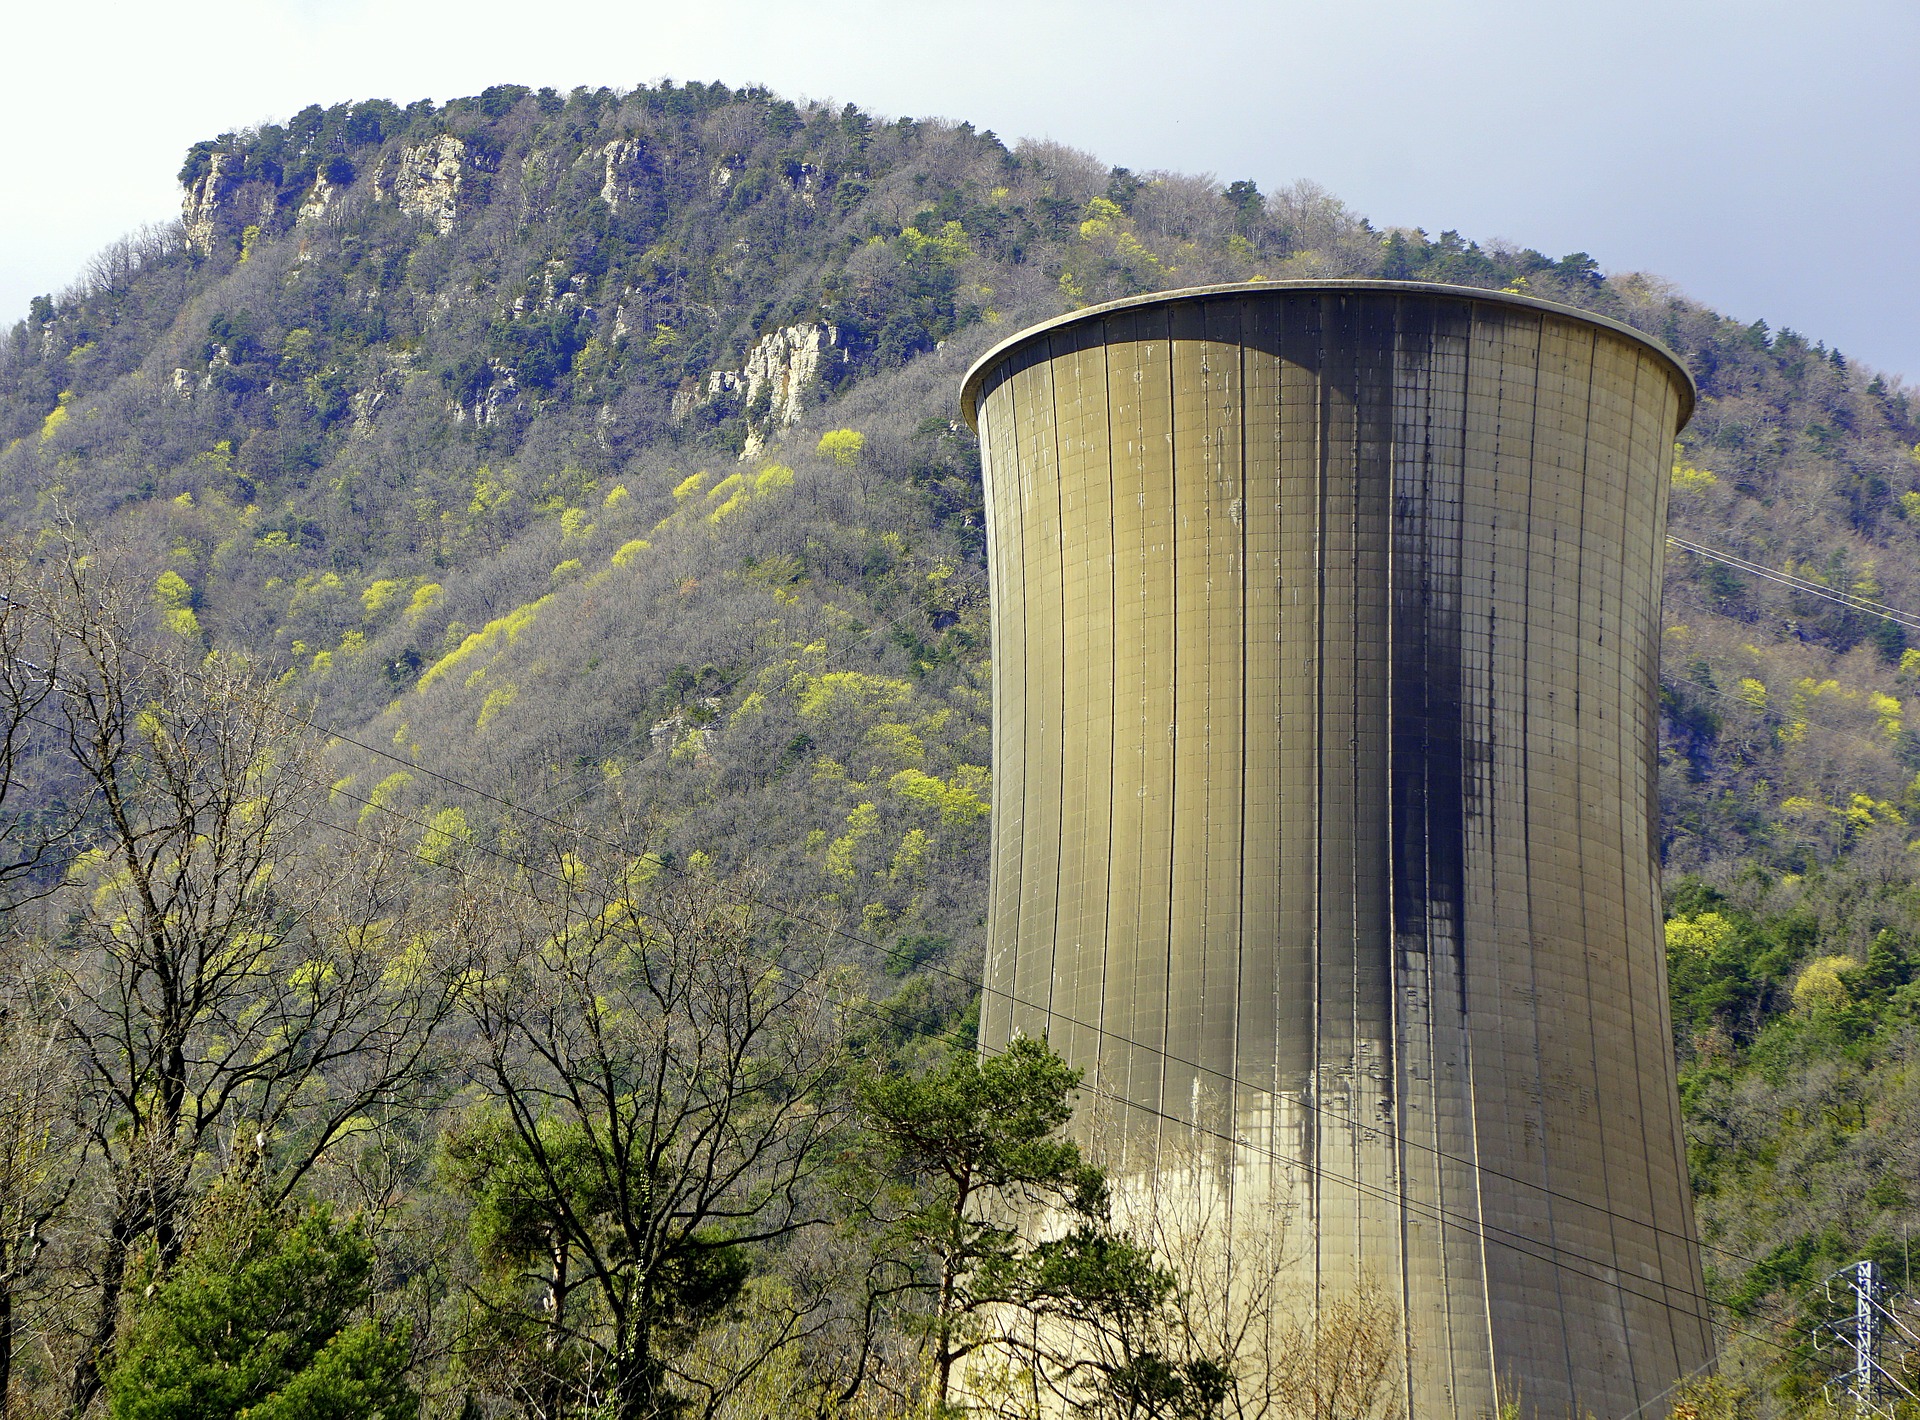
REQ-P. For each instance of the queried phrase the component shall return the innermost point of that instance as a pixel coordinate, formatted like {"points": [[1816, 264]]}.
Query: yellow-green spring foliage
{"points": [[380, 595], [176, 608], [1687, 478], [446, 836], [843, 446], [1822, 983], [425, 598], [501, 631]]}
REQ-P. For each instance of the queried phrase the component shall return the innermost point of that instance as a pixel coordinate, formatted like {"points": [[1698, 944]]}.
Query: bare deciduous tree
{"points": [[656, 1063], [1234, 1334], [1345, 1362], [37, 1144], [111, 270], [238, 975]]}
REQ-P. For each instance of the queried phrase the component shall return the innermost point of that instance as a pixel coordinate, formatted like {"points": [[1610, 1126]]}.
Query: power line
{"points": [[1399, 1140], [1909, 620], [1553, 1255], [1226, 1077], [1607, 1275], [1534, 1249], [1517, 1242]]}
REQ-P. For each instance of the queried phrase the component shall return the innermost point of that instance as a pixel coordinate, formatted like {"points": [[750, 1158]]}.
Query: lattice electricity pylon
{"points": [[1874, 1333]]}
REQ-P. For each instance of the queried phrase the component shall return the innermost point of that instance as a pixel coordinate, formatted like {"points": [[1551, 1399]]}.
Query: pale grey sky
{"points": [[1759, 154]]}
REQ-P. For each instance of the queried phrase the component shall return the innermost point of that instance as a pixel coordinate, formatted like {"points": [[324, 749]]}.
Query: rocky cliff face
{"points": [[774, 381], [426, 180], [314, 206], [226, 192], [628, 162], [686, 263], [200, 210]]}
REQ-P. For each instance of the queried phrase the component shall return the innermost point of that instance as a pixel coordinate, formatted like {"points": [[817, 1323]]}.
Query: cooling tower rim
{"points": [[977, 373]]}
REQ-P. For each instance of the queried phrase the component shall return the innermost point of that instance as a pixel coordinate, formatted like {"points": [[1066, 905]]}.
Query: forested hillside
{"points": [[589, 466]]}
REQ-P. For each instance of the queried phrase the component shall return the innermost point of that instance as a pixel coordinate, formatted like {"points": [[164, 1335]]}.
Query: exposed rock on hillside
{"points": [[557, 297], [426, 180], [318, 200], [627, 163], [206, 198], [781, 370]]}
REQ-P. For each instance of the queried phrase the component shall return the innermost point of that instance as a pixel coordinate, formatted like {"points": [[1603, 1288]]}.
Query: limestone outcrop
{"points": [[773, 381], [200, 210], [784, 365], [426, 180], [314, 206], [628, 163]]}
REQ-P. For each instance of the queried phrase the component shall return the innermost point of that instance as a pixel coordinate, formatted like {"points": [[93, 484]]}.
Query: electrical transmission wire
{"points": [[1226, 1077], [893, 1018], [1538, 1250], [1907, 619], [1606, 1273], [1326, 1112]]}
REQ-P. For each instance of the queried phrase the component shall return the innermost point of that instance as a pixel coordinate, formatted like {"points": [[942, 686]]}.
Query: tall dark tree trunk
{"points": [[87, 1374], [640, 1382], [634, 1394], [549, 1405], [949, 1285]]}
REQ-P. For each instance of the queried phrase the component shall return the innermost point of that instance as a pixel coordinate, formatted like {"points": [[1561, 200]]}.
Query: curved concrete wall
{"points": [[1326, 628]]}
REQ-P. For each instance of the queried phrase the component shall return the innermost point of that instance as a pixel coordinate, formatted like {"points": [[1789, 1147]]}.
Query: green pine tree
{"points": [[979, 1168], [264, 1315]]}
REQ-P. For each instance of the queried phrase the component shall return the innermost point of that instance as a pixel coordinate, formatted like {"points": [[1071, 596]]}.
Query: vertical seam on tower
{"points": [[1209, 475], [1234, 1087], [1014, 524], [1113, 711], [993, 616], [1391, 382], [1352, 1064], [1526, 792], [1058, 554], [1431, 539], [1601, 1108], [1487, 770], [1025, 491], [1316, 1190], [1355, 916], [1173, 734]]}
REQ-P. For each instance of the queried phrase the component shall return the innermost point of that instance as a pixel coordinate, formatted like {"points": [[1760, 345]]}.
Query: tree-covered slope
{"points": [[600, 451]]}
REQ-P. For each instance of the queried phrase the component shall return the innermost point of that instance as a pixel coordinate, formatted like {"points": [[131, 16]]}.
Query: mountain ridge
{"points": [[602, 448]]}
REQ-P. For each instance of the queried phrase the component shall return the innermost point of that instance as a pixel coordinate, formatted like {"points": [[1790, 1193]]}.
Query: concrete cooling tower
{"points": [[1326, 630]]}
